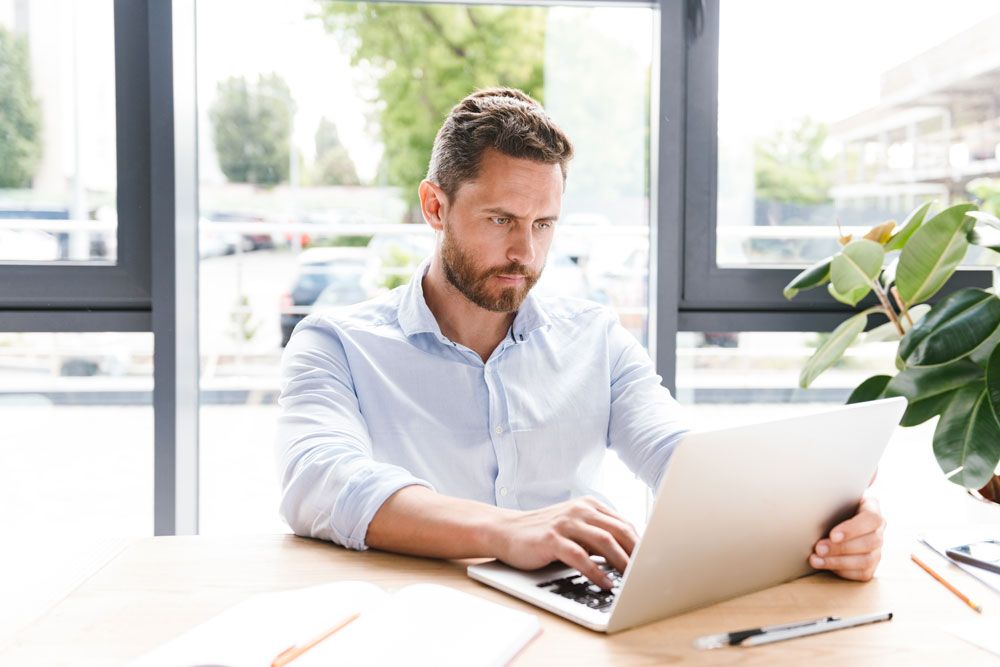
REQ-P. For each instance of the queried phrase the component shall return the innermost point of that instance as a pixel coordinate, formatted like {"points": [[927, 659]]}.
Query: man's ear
{"points": [[433, 204]]}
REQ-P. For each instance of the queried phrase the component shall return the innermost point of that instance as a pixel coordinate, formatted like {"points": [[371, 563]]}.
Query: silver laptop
{"points": [[738, 510]]}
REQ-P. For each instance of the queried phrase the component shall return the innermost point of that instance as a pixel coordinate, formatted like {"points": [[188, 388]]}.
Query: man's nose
{"points": [[521, 246]]}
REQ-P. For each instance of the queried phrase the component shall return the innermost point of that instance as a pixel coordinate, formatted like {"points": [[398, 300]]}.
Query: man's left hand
{"points": [[853, 548]]}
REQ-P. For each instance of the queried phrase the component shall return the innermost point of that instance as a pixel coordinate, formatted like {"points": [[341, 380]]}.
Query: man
{"points": [[462, 416]]}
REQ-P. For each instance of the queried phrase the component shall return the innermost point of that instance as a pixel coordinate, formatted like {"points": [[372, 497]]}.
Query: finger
{"points": [[870, 503], [866, 561], [856, 575], [858, 545], [622, 531], [862, 523], [601, 543], [573, 555], [602, 508]]}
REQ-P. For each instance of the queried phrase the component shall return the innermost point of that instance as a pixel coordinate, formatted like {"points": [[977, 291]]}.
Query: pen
{"points": [[777, 633], [945, 583], [294, 651]]}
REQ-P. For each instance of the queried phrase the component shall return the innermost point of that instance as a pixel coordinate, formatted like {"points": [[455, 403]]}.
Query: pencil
{"points": [[295, 651], [946, 584]]}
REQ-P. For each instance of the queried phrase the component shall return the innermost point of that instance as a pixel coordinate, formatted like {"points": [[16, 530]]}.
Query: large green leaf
{"points": [[981, 354], [854, 269], [933, 253], [917, 412], [921, 383], [910, 225], [967, 438], [850, 299], [869, 390], [985, 218], [955, 302], [833, 347], [993, 380], [889, 332], [964, 325], [985, 236], [814, 276]]}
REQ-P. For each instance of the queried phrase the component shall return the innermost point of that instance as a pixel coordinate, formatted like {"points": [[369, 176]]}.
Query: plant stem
{"points": [[889, 312], [902, 306]]}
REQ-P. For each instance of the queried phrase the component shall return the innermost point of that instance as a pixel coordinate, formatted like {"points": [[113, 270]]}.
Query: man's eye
{"points": [[543, 225], [500, 220]]}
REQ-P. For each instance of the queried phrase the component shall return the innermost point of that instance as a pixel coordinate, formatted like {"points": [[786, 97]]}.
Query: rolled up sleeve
{"points": [[645, 423], [331, 486]]}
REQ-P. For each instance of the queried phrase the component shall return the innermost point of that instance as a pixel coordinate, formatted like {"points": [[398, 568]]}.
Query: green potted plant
{"points": [[948, 356]]}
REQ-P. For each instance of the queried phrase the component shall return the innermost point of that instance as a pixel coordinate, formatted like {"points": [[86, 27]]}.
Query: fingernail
{"points": [[822, 549], [837, 536], [817, 561]]}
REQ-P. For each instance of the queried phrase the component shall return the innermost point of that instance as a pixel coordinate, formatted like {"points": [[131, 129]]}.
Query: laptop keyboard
{"points": [[578, 588]]}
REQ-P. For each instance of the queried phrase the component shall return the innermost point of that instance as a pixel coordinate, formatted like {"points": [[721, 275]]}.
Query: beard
{"points": [[461, 270]]}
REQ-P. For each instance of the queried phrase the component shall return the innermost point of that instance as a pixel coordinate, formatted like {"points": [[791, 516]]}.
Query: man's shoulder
{"points": [[569, 310]]}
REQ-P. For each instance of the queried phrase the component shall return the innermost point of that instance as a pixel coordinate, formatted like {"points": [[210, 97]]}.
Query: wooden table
{"points": [[156, 588]]}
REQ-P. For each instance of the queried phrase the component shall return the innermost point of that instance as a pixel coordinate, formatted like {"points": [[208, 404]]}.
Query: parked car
{"points": [[255, 240], [99, 245], [28, 246], [214, 240], [318, 269], [344, 290]]}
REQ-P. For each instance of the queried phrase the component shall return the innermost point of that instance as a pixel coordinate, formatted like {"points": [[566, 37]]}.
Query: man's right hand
{"points": [[569, 532]]}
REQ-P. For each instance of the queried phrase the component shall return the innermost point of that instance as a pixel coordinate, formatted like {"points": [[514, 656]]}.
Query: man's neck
{"points": [[461, 320]]}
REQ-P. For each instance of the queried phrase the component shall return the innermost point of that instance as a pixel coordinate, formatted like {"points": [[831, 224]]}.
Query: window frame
{"points": [[71, 296], [737, 299]]}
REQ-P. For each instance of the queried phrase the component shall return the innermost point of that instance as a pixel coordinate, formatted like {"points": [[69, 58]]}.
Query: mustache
{"points": [[510, 270]]}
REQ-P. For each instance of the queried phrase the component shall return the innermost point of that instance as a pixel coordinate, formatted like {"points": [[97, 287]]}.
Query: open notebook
{"points": [[421, 624]]}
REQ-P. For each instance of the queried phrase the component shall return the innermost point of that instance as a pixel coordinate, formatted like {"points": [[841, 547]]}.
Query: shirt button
{"points": [[503, 490], [489, 369], [499, 430]]}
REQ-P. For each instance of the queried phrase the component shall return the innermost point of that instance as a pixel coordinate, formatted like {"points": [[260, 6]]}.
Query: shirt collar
{"points": [[530, 316], [415, 317]]}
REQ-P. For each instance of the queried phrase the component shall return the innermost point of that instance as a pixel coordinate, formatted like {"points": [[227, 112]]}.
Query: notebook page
{"points": [[942, 540], [251, 633], [427, 624]]}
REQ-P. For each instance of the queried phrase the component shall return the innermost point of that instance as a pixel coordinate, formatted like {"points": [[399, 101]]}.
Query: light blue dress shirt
{"points": [[375, 398]]}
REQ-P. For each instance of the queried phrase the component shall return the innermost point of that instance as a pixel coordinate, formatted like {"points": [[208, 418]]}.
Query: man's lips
{"points": [[510, 279]]}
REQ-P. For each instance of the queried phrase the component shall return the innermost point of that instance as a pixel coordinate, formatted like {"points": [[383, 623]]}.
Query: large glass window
{"points": [[58, 173], [849, 113], [316, 122], [76, 446]]}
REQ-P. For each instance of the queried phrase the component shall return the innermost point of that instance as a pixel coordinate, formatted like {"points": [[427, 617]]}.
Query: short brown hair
{"points": [[501, 119]]}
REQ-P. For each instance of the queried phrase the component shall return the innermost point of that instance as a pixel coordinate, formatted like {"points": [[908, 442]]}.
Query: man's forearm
{"points": [[420, 522]]}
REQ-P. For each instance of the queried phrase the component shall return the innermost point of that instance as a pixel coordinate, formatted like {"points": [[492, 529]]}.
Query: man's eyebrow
{"points": [[507, 214]]}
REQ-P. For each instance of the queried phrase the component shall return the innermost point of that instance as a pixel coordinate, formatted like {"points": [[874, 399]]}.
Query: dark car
{"points": [[347, 271]]}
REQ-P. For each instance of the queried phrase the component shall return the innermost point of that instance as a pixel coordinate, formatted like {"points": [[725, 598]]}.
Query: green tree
{"points": [[789, 166], [428, 57], [20, 122], [333, 164], [251, 124]]}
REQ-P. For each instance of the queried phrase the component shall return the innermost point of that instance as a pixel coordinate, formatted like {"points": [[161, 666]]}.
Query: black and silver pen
{"points": [[775, 633]]}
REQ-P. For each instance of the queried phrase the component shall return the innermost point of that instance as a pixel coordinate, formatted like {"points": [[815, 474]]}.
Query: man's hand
{"points": [[569, 532], [853, 548]]}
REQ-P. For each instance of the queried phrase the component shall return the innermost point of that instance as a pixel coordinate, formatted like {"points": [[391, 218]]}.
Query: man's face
{"points": [[498, 228]]}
